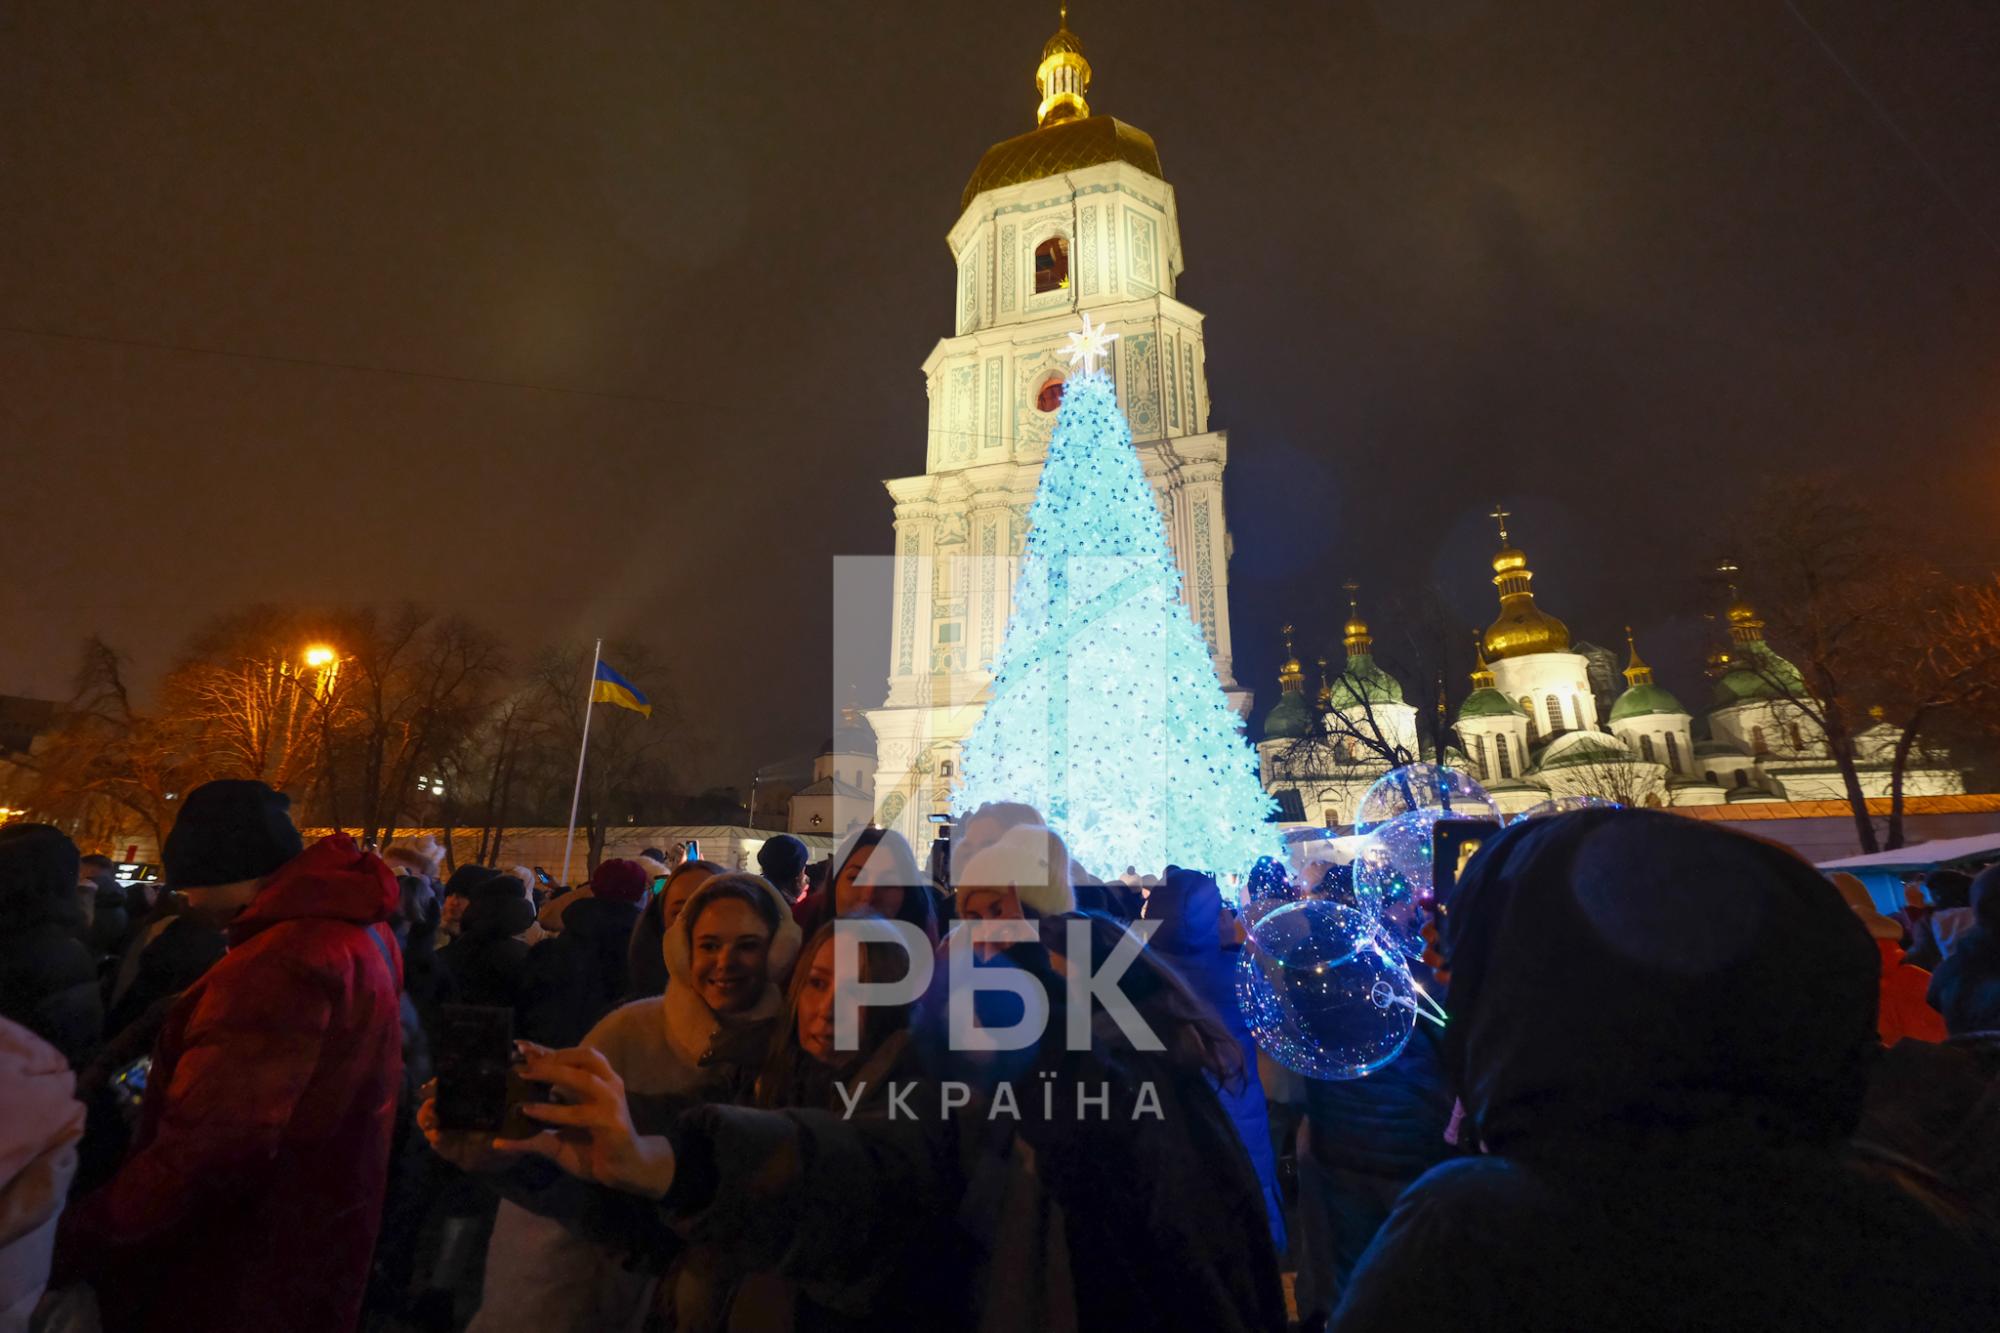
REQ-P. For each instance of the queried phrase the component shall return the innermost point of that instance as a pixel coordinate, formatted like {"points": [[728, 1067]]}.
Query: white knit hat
{"points": [[1028, 860]]}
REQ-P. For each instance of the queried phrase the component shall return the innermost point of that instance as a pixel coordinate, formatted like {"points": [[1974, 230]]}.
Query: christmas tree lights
{"points": [[1106, 713]]}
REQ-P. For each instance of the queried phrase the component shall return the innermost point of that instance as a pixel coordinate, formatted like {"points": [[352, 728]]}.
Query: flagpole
{"points": [[576, 796]]}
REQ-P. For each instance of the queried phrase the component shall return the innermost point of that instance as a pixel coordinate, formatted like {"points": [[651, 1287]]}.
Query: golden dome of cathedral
{"points": [[1522, 627]]}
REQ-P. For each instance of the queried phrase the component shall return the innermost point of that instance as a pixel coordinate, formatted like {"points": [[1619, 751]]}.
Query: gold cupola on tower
{"points": [[1522, 628], [1355, 636], [1063, 77]]}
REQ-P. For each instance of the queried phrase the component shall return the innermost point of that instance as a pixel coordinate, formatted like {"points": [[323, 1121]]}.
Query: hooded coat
{"points": [[254, 1189], [555, 1263], [38, 1136], [487, 962], [1188, 908], [578, 975], [1660, 1032], [1965, 989]]}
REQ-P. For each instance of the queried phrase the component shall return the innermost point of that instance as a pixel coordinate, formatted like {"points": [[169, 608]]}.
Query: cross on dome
{"points": [[1500, 515], [1089, 346]]}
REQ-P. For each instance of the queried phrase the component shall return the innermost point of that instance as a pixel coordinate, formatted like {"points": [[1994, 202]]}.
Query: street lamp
{"points": [[318, 655]]}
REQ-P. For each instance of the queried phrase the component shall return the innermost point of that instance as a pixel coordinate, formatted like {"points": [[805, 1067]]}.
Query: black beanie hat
{"points": [[467, 878], [38, 872], [782, 858], [230, 830], [499, 906]]}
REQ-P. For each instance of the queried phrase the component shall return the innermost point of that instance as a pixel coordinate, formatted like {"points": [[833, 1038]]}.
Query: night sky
{"points": [[607, 318]]}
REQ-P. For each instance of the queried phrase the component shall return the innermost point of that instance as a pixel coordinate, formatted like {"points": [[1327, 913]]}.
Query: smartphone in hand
{"points": [[474, 1052]]}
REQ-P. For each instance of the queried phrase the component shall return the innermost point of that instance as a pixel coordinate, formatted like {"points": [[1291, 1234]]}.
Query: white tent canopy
{"points": [[1923, 856]]}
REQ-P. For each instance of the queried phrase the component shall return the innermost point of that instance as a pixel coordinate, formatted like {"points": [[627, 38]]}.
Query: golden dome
{"points": [[1522, 627], [1066, 145], [1291, 675], [1354, 635]]}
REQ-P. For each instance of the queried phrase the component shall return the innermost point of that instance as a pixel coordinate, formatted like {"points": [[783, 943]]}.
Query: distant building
{"points": [[842, 792], [1541, 721]]}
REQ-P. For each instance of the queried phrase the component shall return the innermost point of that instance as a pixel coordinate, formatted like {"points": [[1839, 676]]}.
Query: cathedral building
{"points": [[1530, 727], [1073, 216]]}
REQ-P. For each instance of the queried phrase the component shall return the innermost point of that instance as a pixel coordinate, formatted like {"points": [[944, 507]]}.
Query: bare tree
{"points": [[104, 766], [245, 691], [1859, 628], [416, 685]]}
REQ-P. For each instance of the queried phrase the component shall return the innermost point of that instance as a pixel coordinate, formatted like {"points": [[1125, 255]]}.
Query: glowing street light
{"points": [[319, 655]]}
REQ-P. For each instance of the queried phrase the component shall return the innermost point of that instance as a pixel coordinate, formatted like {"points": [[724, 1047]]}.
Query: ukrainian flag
{"points": [[612, 688]]}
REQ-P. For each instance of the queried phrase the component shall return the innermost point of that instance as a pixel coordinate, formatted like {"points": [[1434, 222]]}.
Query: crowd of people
{"points": [[1685, 1082]]}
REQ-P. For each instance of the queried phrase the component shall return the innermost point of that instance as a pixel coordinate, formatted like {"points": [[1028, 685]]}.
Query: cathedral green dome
{"points": [[1758, 681], [1640, 700], [1489, 702], [1361, 684], [1291, 718]]}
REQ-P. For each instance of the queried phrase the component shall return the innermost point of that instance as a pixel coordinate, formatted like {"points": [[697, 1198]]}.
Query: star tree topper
{"points": [[1088, 347]]}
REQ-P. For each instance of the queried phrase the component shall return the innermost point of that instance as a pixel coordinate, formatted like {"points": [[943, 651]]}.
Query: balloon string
{"points": [[1427, 1007]]}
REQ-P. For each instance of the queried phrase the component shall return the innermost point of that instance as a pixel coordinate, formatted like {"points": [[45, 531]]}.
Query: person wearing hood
{"points": [[1903, 1011], [38, 1157], [875, 874], [1024, 874], [487, 964], [551, 1264], [1965, 989], [1188, 938], [578, 975], [253, 1192], [1660, 1033], [1051, 1216], [48, 976]]}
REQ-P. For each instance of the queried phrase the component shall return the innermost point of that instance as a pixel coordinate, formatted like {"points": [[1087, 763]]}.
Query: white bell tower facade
{"points": [[1073, 216]]}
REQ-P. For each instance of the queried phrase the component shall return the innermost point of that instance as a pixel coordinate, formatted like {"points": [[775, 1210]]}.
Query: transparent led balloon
{"points": [[1422, 787], [1393, 874], [1562, 805], [1325, 995]]}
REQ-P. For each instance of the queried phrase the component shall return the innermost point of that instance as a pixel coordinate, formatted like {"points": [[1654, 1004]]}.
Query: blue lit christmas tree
{"points": [[1106, 713]]}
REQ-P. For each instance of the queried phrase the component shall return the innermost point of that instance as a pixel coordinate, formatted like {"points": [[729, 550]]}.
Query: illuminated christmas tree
{"points": [[1106, 713]]}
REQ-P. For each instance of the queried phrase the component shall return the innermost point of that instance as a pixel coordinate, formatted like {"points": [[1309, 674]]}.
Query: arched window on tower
{"points": [[1742, 778], [1757, 745], [1049, 397], [1646, 750], [1555, 715], [1576, 707], [1673, 752], [1503, 744], [1476, 751], [1052, 265], [1798, 739], [1528, 707]]}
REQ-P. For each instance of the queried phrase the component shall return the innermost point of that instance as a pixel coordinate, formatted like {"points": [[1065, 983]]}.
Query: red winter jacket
{"points": [[1903, 1010], [254, 1189]]}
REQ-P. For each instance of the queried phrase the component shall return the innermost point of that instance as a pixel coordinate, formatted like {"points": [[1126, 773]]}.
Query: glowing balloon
{"points": [[1392, 874], [1559, 805], [1422, 787], [1268, 883], [1325, 995]]}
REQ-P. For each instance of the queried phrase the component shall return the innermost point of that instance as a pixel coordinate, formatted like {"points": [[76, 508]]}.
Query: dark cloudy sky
{"points": [[1611, 263]]}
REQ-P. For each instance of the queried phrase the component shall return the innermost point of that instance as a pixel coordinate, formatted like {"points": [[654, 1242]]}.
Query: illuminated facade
{"points": [[1072, 216], [1529, 729]]}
